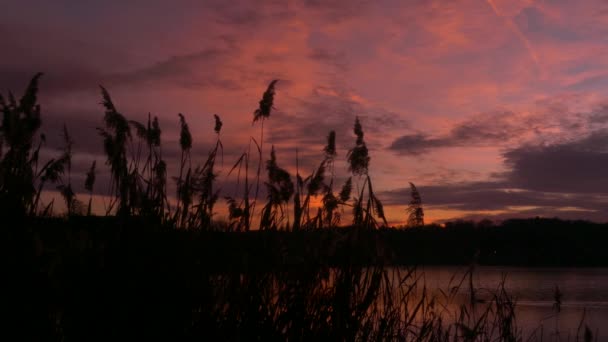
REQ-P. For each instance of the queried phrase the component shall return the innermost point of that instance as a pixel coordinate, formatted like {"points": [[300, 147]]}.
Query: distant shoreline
{"points": [[513, 243]]}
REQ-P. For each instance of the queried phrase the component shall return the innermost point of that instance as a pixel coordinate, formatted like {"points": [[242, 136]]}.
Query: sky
{"points": [[494, 109]]}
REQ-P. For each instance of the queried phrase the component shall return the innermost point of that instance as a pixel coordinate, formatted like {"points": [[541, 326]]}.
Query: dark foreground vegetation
{"points": [[92, 278], [155, 268]]}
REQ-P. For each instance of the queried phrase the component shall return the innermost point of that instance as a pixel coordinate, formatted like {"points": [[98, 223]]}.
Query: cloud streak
{"points": [[450, 91], [509, 23]]}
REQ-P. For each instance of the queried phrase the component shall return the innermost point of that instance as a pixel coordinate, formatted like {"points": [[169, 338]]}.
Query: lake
{"points": [[584, 292]]}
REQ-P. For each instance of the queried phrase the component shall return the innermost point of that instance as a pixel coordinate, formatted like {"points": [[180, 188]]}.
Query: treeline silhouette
{"points": [[100, 278], [157, 268], [513, 242], [517, 242]]}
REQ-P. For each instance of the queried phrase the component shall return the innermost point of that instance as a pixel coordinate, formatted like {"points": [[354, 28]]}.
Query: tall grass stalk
{"points": [[160, 277]]}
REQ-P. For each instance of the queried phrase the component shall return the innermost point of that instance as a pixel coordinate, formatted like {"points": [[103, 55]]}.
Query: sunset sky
{"points": [[492, 108]]}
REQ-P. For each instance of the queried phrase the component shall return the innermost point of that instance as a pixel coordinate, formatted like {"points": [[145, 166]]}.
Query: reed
{"points": [[154, 274]]}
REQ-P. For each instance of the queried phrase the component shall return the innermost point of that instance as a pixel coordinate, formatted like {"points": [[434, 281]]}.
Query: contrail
{"points": [[517, 32]]}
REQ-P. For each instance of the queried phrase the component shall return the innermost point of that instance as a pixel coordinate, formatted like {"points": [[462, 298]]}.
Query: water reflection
{"points": [[584, 296]]}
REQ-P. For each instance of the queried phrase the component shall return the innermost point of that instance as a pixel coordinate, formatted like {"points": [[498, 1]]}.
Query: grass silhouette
{"points": [[152, 269]]}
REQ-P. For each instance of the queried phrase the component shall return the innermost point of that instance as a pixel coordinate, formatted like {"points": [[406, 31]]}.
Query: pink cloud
{"points": [[404, 68]]}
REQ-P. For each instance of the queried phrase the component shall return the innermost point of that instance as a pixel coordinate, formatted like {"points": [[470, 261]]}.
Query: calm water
{"points": [[584, 291]]}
